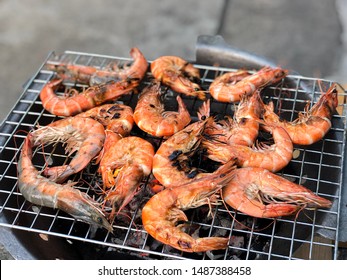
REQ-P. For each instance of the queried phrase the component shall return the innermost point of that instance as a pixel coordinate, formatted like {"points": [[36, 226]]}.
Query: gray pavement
{"points": [[31, 29], [304, 36], [307, 36], [300, 35]]}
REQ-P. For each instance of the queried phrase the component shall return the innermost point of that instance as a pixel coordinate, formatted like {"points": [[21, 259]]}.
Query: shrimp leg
{"points": [[82, 135], [124, 163]]}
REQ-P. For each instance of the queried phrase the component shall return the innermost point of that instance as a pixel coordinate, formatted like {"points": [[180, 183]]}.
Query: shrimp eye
{"points": [[99, 220], [197, 89], [203, 118], [116, 116], [243, 120]]}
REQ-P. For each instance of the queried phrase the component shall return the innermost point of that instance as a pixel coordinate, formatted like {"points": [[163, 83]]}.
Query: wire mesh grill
{"points": [[318, 167]]}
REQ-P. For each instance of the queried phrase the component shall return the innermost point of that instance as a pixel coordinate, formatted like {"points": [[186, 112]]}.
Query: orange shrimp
{"points": [[311, 125], [260, 193], [246, 120], [115, 117], [178, 74], [171, 166], [41, 191], [243, 127], [123, 165], [151, 117], [225, 89], [164, 210], [82, 135], [272, 157], [85, 100], [92, 75]]}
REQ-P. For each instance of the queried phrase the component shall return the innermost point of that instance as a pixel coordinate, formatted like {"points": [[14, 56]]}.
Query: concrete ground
{"points": [[304, 36], [307, 36]]}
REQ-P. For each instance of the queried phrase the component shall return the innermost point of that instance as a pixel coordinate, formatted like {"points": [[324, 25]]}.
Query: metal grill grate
{"points": [[319, 167]]}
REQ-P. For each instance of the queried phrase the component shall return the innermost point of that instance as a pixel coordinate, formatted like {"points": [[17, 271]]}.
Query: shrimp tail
{"points": [[204, 110], [205, 244], [58, 174]]}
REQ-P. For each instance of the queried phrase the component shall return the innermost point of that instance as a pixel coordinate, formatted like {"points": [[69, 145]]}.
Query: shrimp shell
{"points": [[115, 117], [93, 75], [151, 117], [260, 193], [242, 128], [79, 102], [178, 74], [225, 89], [84, 136], [125, 162], [164, 210], [41, 191], [313, 124], [170, 162], [272, 157]]}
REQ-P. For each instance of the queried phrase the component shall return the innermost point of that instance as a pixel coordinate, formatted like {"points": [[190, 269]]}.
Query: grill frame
{"points": [[28, 112]]}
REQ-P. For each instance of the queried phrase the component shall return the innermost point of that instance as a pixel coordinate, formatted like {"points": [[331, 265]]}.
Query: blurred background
{"points": [[306, 36]]}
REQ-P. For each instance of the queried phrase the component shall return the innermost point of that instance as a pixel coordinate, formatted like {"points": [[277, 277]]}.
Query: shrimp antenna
{"points": [[218, 71], [320, 85], [15, 142], [240, 223], [302, 210]]}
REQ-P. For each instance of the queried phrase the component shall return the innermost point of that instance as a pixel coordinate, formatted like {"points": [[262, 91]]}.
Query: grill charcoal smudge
{"points": [[175, 154]]}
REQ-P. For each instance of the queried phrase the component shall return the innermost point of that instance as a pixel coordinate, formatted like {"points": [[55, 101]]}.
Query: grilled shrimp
{"points": [[125, 162], [151, 117], [225, 89], [76, 102], [243, 127], [164, 210], [260, 193], [41, 191], [82, 135], [171, 162], [273, 157], [92, 75], [313, 124], [178, 74], [115, 117]]}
